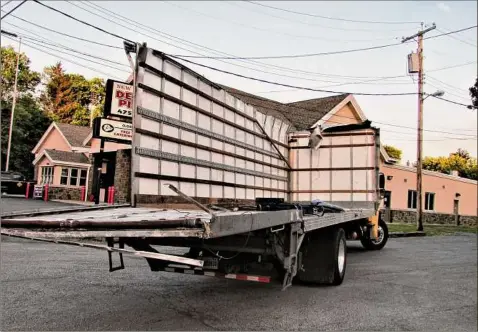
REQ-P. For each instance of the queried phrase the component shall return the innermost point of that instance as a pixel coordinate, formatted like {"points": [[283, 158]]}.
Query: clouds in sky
{"points": [[443, 7]]}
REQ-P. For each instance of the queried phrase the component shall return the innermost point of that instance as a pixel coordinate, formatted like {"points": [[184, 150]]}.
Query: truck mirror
{"points": [[381, 184]]}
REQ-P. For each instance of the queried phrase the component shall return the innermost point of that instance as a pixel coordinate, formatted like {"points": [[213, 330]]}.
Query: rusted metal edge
{"points": [[127, 233], [61, 210], [134, 253]]}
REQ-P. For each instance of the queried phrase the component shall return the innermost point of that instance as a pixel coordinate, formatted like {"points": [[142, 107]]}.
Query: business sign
{"points": [[112, 130], [119, 99], [38, 192]]}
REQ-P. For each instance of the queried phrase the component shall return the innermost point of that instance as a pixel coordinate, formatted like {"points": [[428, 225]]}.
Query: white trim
{"points": [[40, 156], [431, 173], [87, 139], [45, 135], [65, 163], [338, 107]]}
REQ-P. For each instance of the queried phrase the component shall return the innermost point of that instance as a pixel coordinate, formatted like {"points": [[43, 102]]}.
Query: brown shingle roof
{"points": [[75, 135], [301, 114], [69, 157]]}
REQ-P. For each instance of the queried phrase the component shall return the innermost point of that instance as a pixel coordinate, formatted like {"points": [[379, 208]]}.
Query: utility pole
{"points": [[419, 35], [10, 131]]}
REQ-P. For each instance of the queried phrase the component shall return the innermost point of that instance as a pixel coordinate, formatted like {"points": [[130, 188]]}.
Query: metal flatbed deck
{"points": [[220, 224]]}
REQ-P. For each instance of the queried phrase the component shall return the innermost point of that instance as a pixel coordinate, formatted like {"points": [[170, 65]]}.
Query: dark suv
{"points": [[13, 183]]}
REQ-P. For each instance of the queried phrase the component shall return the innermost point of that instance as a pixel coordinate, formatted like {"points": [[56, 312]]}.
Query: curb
{"points": [[406, 234]]}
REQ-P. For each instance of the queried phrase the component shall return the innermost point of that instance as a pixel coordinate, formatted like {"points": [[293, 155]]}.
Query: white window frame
{"points": [[78, 177], [47, 174]]}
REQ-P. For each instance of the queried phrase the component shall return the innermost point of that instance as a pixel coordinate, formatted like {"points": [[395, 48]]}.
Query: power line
{"points": [[6, 3], [250, 26], [458, 39], [103, 10], [453, 102], [330, 18], [448, 85], [289, 85], [326, 53], [67, 35], [295, 108], [13, 9], [313, 24], [49, 42], [68, 60], [83, 22]]}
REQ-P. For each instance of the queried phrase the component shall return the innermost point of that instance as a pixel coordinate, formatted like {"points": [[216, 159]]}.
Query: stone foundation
{"points": [[64, 193], [406, 216]]}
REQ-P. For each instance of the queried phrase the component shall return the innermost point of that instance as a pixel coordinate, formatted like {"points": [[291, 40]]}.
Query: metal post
{"points": [[14, 102], [98, 172]]}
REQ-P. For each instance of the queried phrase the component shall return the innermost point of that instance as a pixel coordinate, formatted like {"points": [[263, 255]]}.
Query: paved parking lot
{"points": [[413, 284], [17, 204]]}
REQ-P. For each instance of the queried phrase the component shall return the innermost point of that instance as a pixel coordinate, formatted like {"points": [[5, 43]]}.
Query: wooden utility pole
{"points": [[419, 35]]}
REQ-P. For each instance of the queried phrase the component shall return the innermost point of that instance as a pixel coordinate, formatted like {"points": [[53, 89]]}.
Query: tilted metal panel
{"points": [[193, 134], [342, 169]]}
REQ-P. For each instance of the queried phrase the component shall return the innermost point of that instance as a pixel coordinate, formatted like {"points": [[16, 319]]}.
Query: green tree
{"points": [[27, 78], [460, 161], [393, 152], [29, 124], [474, 94], [68, 97]]}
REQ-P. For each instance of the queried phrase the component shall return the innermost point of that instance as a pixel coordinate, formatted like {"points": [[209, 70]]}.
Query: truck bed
{"points": [[220, 224]]}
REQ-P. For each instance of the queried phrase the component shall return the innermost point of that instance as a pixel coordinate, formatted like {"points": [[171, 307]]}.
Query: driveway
{"points": [[412, 284]]}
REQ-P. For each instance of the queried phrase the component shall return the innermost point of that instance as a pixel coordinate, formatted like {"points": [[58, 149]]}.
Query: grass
{"points": [[432, 229]]}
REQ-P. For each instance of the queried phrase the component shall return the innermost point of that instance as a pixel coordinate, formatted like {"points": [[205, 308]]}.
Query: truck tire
{"points": [[371, 244], [323, 257]]}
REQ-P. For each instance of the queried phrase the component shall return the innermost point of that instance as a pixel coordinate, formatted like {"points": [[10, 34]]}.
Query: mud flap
{"points": [[373, 220]]}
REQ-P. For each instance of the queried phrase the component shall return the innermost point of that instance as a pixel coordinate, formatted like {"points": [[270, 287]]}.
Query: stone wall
{"points": [[123, 177], [64, 193], [409, 216]]}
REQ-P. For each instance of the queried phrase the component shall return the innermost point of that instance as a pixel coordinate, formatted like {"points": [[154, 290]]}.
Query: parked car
{"points": [[13, 183]]}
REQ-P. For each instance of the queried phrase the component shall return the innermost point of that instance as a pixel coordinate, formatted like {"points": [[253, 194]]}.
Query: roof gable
{"points": [[75, 135]]}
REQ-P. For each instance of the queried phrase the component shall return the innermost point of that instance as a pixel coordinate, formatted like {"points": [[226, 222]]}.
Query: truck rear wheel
{"points": [[323, 257], [379, 243]]}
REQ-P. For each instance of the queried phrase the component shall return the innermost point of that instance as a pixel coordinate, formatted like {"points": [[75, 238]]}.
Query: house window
{"points": [[82, 177], [64, 176], [430, 201], [73, 177], [47, 175], [412, 199]]}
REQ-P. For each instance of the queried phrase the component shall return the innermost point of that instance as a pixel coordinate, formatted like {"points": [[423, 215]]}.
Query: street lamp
{"points": [[436, 94]]}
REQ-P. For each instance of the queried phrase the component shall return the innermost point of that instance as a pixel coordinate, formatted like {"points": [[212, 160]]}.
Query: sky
{"points": [[247, 29]]}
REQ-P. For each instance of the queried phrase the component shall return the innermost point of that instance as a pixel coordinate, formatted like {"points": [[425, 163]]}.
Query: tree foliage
{"points": [[30, 122], [474, 94], [460, 161], [393, 152], [67, 97]]}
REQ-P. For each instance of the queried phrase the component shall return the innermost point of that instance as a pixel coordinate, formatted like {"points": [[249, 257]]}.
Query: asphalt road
{"points": [[412, 284], [17, 204]]}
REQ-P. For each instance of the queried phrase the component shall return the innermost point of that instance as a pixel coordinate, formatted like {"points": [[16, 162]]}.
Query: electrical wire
{"points": [[6, 3], [458, 39], [289, 85], [328, 53], [330, 18], [454, 102], [43, 40], [83, 22], [250, 26], [68, 60], [313, 24], [13, 9], [66, 35]]}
